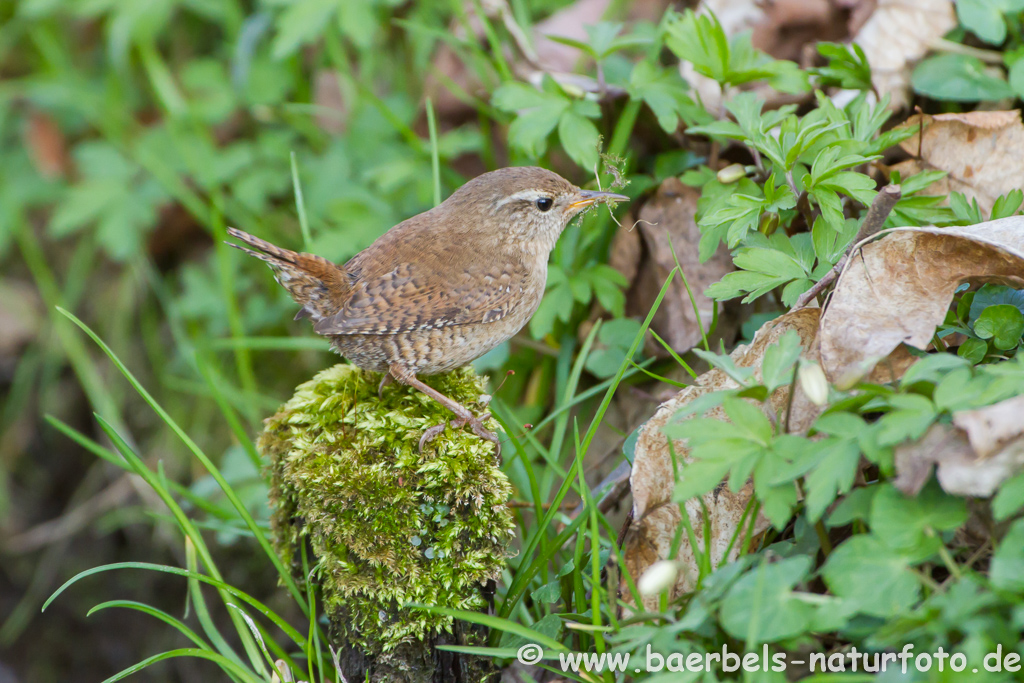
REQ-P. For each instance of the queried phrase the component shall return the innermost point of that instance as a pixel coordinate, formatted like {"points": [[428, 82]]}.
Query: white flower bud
{"points": [[813, 382], [731, 173], [659, 577]]}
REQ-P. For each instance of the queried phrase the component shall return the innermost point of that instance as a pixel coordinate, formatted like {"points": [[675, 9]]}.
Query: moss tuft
{"points": [[387, 525]]}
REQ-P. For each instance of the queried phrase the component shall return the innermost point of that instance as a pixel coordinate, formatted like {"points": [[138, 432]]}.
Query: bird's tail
{"points": [[321, 287]]}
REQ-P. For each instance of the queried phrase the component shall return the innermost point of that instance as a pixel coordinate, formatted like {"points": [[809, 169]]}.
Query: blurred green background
{"points": [[132, 132]]}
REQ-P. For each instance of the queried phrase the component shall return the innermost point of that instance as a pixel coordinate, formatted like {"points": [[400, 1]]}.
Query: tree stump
{"points": [[386, 525]]}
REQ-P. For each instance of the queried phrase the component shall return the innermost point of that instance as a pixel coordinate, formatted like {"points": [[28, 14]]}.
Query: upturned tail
{"points": [[321, 287]]}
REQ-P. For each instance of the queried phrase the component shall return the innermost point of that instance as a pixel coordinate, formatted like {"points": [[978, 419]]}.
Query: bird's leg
{"points": [[461, 412]]}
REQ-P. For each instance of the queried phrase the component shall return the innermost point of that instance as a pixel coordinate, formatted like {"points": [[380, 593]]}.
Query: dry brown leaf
{"points": [[982, 151], [642, 254], [978, 452], [655, 516], [990, 428], [332, 110], [898, 34], [897, 289], [47, 146]]}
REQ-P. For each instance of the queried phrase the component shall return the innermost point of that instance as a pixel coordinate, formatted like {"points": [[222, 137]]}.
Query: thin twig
{"points": [[879, 210]]}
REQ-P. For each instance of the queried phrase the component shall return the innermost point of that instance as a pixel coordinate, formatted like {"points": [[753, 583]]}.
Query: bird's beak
{"points": [[588, 197]]}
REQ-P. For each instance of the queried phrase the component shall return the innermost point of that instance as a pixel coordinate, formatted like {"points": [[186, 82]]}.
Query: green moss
{"points": [[387, 525]]}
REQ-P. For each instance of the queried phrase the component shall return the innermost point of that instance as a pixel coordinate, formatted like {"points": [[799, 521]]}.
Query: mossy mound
{"points": [[387, 525]]}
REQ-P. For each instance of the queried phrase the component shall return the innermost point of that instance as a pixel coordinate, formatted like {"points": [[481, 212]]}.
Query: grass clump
{"points": [[387, 525]]}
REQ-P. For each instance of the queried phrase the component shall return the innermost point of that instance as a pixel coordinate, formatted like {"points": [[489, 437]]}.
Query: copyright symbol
{"points": [[531, 653]]}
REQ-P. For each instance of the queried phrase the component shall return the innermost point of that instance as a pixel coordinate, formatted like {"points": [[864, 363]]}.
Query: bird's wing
{"points": [[416, 296]]}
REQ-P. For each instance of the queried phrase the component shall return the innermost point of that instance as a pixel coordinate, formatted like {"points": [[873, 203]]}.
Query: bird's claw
{"points": [[475, 423]]}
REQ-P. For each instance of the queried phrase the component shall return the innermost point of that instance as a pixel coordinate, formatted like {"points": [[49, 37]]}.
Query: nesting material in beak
{"points": [[588, 197]]}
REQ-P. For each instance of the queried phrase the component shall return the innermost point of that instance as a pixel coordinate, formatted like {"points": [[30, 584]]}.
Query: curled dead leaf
{"points": [[989, 429], [973, 456], [897, 289], [982, 151], [655, 516]]}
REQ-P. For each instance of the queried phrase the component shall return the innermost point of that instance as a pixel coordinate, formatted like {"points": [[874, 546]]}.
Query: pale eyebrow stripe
{"points": [[525, 194]]}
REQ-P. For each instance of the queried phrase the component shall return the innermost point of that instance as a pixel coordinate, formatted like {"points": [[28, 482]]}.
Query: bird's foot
{"points": [[475, 423]]}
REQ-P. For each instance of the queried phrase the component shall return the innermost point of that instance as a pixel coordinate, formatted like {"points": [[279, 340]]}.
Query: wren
{"points": [[441, 289]]}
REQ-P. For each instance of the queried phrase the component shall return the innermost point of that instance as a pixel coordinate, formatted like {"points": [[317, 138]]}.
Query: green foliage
{"points": [[992, 319], [963, 77], [540, 112], [986, 18], [181, 117], [958, 78], [847, 66], [701, 40], [806, 174]]}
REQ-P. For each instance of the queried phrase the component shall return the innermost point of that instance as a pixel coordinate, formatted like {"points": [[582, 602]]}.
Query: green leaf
{"points": [[872, 577], [911, 524], [847, 67], [855, 506], [1003, 324], [1010, 498], [556, 304], [958, 78], [700, 40], [983, 18], [580, 139], [911, 416], [833, 476], [829, 242], [301, 22], [991, 295], [932, 368], [763, 269], [751, 423], [761, 606], [779, 360], [973, 350], [1016, 78], [539, 113], [1007, 569], [664, 91], [548, 593], [1007, 205], [968, 212]]}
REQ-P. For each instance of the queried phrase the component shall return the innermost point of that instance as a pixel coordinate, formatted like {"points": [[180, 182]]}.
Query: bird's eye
{"points": [[544, 203]]}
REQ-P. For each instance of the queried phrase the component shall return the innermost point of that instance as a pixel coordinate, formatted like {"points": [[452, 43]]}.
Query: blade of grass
{"points": [[226, 276], [518, 585], [177, 624], [272, 343], [435, 156], [689, 293], [202, 611], [226, 664], [294, 635], [494, 623], [300, 205], [201, 456], [672, 352], [184, 523]]}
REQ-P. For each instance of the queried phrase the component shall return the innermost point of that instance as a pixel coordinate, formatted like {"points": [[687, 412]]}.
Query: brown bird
{"points": [[443, 288]]}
